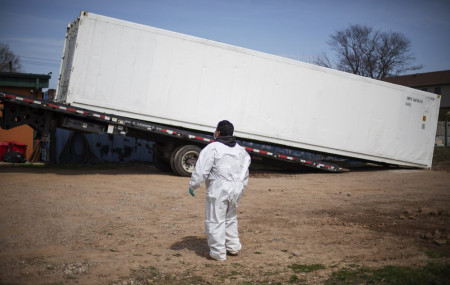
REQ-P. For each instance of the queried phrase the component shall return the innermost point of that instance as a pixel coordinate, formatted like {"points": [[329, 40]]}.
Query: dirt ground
{"points": [[135, 225]]}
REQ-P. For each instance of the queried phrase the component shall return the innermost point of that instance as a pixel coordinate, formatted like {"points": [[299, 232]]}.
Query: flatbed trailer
{"points": [[175, 149]]}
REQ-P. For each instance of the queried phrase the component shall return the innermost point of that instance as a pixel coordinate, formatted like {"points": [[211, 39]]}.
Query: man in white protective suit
{"points": [[223, 165]]}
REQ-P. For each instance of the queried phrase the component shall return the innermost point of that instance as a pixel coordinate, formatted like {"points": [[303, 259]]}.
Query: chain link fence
{"points": [[443, 133]]}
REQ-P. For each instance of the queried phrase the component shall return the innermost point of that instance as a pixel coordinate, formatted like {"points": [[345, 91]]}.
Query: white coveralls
{"points": [[225, 171]]}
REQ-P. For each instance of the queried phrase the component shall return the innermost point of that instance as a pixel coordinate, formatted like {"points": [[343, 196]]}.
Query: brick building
{"points": [[435, 82], [25, 84]]}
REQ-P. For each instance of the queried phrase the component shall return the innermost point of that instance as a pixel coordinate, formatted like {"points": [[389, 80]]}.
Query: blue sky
{"points": [[298, 29]]}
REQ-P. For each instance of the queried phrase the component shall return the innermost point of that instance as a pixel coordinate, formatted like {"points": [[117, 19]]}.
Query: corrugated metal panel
{"points": [[13, 79], [184, 81]]}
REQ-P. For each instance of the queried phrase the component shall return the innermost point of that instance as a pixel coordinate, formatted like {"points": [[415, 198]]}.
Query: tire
{"points": [[14, 157], [159, 161], [161, 164], [183, 159]]}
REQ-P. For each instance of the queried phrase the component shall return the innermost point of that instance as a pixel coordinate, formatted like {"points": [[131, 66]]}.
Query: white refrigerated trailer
{"points": [[155, 76]]}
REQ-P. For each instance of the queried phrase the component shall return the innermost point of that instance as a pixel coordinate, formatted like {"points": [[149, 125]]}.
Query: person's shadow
{"points": [[192, 243]]}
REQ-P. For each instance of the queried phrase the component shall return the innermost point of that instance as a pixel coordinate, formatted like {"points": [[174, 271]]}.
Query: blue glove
{"points": [[191, 191]]}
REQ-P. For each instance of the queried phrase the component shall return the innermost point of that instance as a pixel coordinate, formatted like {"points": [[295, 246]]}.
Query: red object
{"points": [[4, 147], [16, 146]]}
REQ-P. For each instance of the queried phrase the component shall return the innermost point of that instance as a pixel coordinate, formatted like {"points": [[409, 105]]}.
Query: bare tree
{"points": [[9, 62], [363, 51], [323, 60]]}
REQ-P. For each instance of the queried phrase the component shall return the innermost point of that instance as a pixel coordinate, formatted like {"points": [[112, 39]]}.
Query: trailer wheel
{"points": [[183, 159], [160, 163]]}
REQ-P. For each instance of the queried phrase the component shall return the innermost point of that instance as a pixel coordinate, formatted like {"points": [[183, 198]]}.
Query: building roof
{"points": [[422, 79], [17, 79]]}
